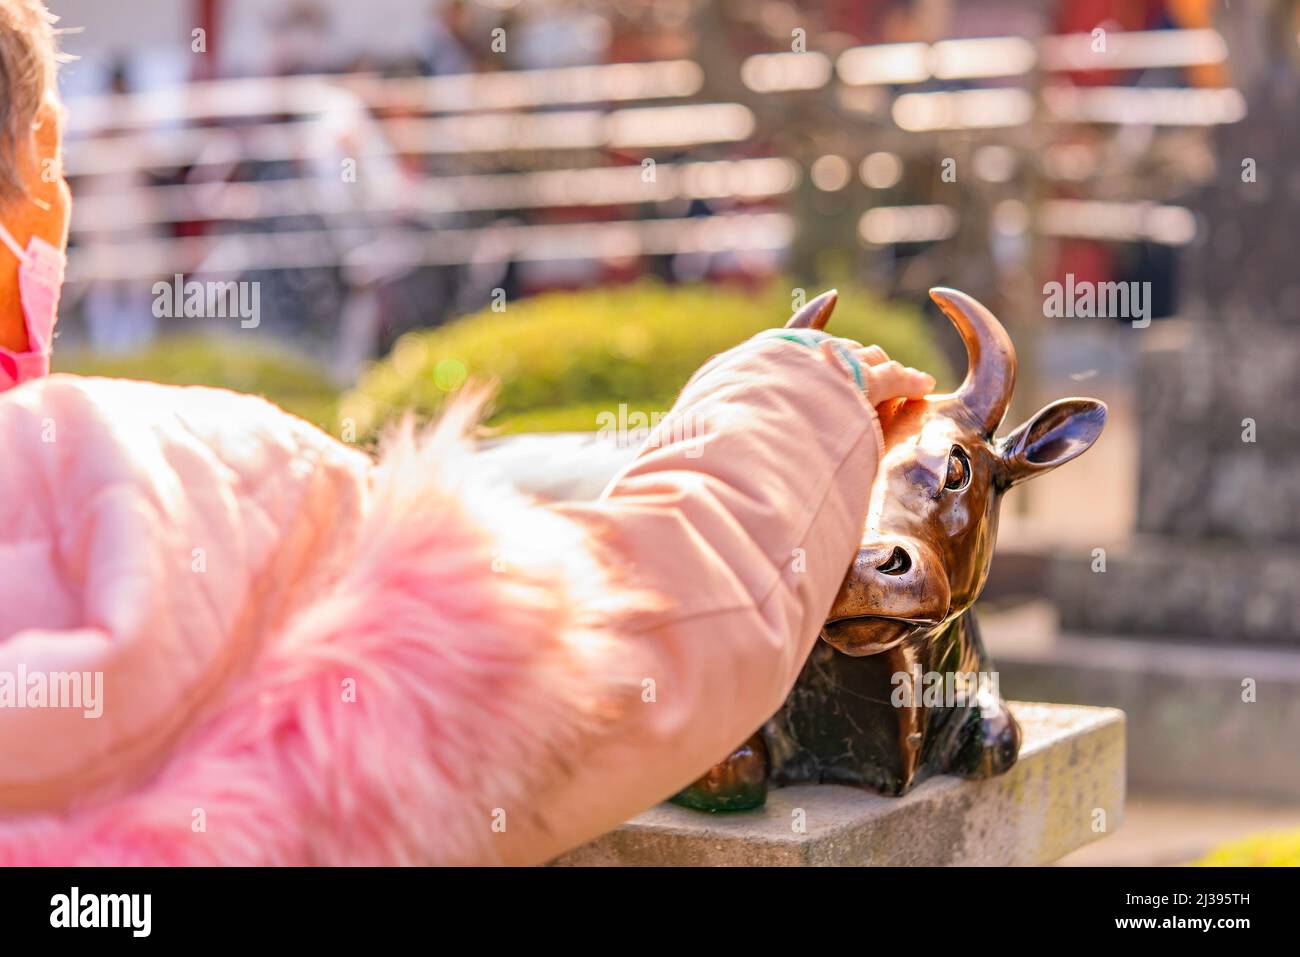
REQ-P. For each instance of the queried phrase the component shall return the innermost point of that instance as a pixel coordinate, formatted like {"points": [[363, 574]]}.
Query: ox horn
{"points": [[991, 375], [815, 313]]}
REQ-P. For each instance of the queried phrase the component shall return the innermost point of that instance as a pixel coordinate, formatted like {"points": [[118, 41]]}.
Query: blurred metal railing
{"points": [[302, 95], [338, 148]]}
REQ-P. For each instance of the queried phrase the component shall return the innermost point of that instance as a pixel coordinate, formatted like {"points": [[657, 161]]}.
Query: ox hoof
{"points": [[995, 744], [737, 784]]}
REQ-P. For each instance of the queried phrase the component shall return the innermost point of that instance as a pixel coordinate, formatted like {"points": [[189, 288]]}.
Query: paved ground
{"points": [[1162, 830]]}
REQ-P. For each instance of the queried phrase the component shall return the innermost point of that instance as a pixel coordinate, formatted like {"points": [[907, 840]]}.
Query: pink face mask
{"points": [[40, 279]]}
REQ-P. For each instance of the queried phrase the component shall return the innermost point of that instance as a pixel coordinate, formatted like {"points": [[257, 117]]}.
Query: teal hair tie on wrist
{"points": [[805, 337], [852, 360], [812, 339]]}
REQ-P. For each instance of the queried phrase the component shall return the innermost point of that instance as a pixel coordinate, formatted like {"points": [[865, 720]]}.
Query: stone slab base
{"points": [[1066, 791]]}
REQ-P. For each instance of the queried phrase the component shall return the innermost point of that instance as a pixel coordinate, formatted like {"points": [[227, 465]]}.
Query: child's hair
{"points": [[28, 61]]}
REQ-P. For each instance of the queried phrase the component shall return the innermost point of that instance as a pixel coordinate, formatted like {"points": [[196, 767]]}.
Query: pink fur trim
{"points": [[468, 621]]}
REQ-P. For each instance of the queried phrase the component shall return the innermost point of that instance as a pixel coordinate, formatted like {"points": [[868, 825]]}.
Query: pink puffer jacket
{"points": [[228, 638]]}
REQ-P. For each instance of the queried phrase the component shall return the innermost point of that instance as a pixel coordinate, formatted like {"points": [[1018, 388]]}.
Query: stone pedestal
{"points": [[1217, 557], [1219, 403], [1200, 718], [1203, 385], [1215, 592], [1066, 791], [1194, 627]]}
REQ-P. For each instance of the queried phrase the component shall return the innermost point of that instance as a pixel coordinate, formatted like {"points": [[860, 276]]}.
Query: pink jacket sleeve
{"points": [[340, 661], [742, 512]]}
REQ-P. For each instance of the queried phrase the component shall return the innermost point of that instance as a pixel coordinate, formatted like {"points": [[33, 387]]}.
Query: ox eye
{"points": [[958, 476]]}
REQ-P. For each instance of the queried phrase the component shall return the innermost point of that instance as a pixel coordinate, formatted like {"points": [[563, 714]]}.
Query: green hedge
{"points": [[292, 383], [562, 358]]}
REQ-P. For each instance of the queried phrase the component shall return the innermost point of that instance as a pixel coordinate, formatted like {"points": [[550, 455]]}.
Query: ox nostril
{"points": [[898, 562]]}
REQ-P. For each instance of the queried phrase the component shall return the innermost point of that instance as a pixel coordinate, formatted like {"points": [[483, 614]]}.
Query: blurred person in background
{"points": [[447, 49], [118, 313], [300, 40]]}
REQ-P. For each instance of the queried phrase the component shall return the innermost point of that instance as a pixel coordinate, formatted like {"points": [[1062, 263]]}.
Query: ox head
{"points": [[925, 550]]}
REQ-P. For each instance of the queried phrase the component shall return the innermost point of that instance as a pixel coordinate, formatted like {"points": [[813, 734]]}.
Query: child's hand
{"points": [[883, 379], [880, 377]]}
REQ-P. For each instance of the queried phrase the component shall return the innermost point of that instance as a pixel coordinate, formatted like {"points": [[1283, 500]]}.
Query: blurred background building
{"points": [[384, 167]]}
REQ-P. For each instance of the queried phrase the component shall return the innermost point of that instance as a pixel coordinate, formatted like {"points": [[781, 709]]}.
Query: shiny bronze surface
{"points": [[904, 606], [736, 784]]}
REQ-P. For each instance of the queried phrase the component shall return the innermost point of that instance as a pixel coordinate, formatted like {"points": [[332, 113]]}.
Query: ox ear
{"points": [[1057, 433]]}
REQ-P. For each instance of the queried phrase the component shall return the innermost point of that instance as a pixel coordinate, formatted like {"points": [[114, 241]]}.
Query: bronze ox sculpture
{"points": [[865, 710]]}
